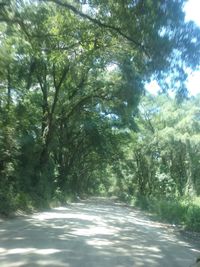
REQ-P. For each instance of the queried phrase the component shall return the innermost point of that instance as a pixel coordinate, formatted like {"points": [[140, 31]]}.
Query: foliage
{"points": [[183, 211], [166, 159], [73, 115], [192, 217]]}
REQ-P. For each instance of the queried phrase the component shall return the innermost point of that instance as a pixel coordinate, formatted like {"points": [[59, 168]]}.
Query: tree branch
{"points": [[57, 87], [98, 22]]}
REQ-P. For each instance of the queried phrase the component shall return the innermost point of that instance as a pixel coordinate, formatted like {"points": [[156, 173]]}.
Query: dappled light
{"points": [[87, 234], [94, 102]]}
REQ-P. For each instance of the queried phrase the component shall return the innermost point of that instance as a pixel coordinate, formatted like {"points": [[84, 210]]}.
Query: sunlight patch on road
{"points": [[47, 251], [99, 242], [145, 248], [94, 230], [2, 250], [48, 263], [55, 215], [22, 251], [61, 209], [19, 251], [195, 250]]}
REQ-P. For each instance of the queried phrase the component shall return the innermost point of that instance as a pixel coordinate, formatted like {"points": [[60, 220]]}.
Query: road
{"points": [[94, 233]]}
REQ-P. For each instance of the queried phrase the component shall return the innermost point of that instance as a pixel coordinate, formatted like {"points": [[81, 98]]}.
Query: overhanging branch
{"points": [[98, 22]]}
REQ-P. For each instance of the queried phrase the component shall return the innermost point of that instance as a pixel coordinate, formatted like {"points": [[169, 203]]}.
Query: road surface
{"points": [[95, 233]]}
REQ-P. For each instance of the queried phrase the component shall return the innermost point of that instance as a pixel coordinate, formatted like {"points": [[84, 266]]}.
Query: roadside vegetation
{"points": [[75, 119], [181, 212]]}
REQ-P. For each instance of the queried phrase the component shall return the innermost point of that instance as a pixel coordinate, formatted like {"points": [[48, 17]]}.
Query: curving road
{"points": [[95, 233]]}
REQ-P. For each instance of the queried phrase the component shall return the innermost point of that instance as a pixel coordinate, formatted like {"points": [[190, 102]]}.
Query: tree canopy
{"points": [[73, 75]]}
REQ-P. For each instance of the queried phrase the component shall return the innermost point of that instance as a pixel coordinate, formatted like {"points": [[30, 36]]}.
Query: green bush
{"points": [[23, 202], [143, 202], [6, 204], [172, 211], [59, 198], [184, 211], [193, 218]]}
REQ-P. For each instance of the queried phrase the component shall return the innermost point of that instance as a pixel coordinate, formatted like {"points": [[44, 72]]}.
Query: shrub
{"points": [[173, 211], [23, 202], [6, 204], [184, 211], [193, 218]]}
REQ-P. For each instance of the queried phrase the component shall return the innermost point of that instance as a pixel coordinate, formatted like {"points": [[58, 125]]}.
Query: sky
{"points": [[192, 11]]}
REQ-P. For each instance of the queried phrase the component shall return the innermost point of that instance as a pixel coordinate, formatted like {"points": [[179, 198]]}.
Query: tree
{"points": [[165, 151], [73, 80]]}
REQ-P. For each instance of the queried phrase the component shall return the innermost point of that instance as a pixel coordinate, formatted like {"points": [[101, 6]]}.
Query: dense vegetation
{"points": [[74, 117]]}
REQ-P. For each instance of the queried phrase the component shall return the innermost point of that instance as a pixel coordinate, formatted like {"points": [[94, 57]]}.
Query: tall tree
{"points": [[73, 79]]}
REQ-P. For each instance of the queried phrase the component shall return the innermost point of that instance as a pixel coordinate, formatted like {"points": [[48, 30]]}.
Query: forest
{"points": [[75, 118]]}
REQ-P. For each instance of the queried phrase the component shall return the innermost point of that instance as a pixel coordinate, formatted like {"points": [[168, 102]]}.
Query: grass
{"points": [[180, 211]]}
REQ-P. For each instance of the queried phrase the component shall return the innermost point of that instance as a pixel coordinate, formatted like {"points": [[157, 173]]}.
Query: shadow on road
{"points": [[91, 234]]}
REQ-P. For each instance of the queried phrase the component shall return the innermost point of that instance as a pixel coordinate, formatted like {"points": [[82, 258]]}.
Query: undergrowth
{"points": [[180, 211]]}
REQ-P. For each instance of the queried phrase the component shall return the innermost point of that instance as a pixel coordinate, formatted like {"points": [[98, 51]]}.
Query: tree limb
{"points": [[98, 22]]}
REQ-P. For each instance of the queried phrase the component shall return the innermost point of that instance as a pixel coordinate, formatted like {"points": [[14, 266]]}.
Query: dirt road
{"points": [[95, 233]]}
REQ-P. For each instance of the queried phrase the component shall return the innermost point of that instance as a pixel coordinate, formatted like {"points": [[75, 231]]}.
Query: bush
{"points": [[193, 218], [172, 211], [23, 202], [143, 202], [6, 204], [184, 211]]}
